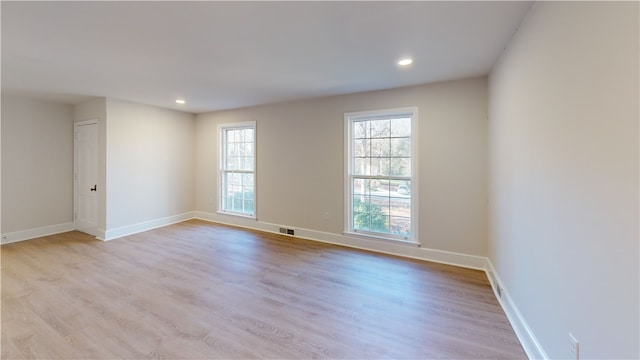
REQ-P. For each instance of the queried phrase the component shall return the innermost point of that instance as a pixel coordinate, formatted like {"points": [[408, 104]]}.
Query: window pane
{"points": [[380, 200], [380, 128], [248, 135], [361, 166], [248, 206], [360, 220], [369, 215], [237, 202], [400, 225], [400, 206], [233, 163], [379, 222], [401, 127], [361, 129], [380, 147], [232, 150], [228, 202], [361, 186], [361, 213], [231, 136], [361, 148], [400, 167], [401, 147], [401, 188], [380, 166], [247, 180], [246, 149], [245, 163]]}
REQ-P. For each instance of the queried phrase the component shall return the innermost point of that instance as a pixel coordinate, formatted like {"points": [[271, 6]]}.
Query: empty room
{"points": [[297, 180]]}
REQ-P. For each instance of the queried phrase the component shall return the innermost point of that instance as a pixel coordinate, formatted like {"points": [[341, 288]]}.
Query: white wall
{"points": [[300, 160], [150, 155], [37, 164], [564, 176]]}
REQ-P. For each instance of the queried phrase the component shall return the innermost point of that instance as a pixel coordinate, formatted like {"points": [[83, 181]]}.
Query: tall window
{"points": [[237, 169], [381, 168]]}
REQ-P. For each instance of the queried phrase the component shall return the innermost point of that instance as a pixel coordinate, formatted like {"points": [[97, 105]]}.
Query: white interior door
{"points": [[86, 177]]}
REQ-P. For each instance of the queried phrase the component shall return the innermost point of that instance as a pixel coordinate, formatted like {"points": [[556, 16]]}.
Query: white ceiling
{"points": [[221, 55]]}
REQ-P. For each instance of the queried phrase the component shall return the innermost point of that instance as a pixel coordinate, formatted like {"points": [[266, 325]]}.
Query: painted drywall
{"points": [[37, 164], [300, 160], [96, 109], [564, 176], [149, 164], [1, 167]]}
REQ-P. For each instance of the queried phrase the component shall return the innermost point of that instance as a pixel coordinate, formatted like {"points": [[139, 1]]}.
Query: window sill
{"points": [[370, 237], [241, 215]]}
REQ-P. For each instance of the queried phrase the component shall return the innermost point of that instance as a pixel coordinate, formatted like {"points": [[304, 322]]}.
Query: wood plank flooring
{"points": [[197, 290]]}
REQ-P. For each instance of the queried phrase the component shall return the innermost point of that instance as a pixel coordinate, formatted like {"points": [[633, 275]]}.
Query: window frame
{"points": [[349, 119], [222, 171]]}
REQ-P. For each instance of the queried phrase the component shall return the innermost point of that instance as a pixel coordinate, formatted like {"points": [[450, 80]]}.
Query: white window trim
{"points": [[237, 125], [354, 116]]}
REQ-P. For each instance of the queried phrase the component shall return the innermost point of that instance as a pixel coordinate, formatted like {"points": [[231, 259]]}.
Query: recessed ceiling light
{"points": [[405, 62], [180, 101]]}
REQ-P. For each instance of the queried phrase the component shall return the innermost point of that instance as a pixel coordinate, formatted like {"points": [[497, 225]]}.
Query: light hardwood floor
{"points": [[197, 290]]}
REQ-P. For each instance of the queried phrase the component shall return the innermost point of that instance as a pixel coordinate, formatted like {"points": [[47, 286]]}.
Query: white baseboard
{"points": [[524, 333], [387, 247], [36, 232], [101, 234], [143, 226]]}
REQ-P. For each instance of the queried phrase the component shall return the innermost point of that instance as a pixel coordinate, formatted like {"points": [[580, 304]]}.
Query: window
{"points": [[237, 169], [381, 168]]}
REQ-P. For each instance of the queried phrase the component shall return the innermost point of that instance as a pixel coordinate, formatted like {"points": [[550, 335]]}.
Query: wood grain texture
{"points": [[197, 290]]}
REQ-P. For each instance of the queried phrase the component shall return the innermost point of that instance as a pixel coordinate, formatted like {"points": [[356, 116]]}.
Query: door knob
{"points": [[94, 188]]}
